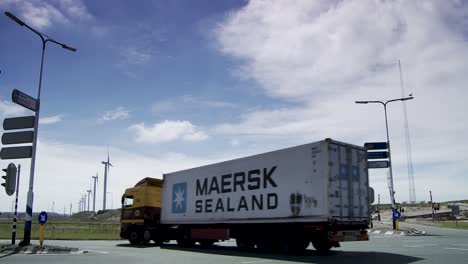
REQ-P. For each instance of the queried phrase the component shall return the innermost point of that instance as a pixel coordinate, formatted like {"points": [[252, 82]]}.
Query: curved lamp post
{"points": [[29, 206], [384, 103]]}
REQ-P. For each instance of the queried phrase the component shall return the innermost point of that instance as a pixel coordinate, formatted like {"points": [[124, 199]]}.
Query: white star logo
{"points": [[179, 198]]}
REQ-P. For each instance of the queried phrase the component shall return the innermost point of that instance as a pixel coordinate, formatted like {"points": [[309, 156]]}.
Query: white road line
{"points": [[377, 232], [388, 232], [458, 248], [28, 250], [256, 261]]}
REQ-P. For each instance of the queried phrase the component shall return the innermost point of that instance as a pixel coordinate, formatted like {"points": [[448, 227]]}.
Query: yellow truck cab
{"points": [[141, 208]]}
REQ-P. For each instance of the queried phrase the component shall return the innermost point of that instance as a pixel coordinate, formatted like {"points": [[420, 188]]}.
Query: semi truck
{"points": [[281, 200]]}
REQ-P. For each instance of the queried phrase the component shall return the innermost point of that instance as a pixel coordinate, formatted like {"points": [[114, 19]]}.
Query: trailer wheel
{"points": [[296, 246], [145, 239], [322, 245], [134, 238], [185, 241], [206, 243], [245, 244]]}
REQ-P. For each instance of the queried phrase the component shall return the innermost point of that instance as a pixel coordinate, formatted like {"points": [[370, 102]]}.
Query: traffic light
{"points": [[10, 179]]}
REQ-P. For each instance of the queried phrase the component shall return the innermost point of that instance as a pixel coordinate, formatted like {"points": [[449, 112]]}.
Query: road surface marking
{"points": [[388, 232], [458, 248], [29, 250], [256, 261], [377, 232]]}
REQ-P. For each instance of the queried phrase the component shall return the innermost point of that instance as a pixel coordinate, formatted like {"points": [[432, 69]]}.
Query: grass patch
{"points": [[452, 224], [65, 230]]}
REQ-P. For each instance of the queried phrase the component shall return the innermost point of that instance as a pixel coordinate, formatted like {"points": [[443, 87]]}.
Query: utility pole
{"points": [[432, 206], [378, 210], [30, 195], [392, 190]]}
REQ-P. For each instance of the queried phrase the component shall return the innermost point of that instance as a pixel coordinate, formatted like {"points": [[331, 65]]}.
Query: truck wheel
{"points": [[134, 238], [245, 244], [206, 243], [297, 246], [185, 241], [322, 245], [146, 237], [268, 245]]}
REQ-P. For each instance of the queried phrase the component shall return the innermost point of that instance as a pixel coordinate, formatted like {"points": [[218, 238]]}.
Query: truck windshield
{"points": [[128, 201]]}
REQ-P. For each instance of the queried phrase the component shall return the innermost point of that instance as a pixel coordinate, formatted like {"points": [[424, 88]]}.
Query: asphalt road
{"points": [[438, 245]]}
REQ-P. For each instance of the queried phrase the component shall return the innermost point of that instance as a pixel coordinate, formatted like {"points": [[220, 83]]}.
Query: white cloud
{"points": [[42, 14], [136, 56], [50, 120], [167, 131], [189, 101], [8, 109], [63, 174], [119, 113], [324, 55], [318, 47]]}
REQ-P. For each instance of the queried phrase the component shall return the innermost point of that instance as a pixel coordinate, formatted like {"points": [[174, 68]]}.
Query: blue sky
{"points": [[170, 85]]}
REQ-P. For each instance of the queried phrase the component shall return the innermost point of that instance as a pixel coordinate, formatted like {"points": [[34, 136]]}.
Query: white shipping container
{"points": [[307, 183]]}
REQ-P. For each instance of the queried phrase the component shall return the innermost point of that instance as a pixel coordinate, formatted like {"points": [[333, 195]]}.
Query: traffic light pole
{"points": [[15, 218], [29, 205]]}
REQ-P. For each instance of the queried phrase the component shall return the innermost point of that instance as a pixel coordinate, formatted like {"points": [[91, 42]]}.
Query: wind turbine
{"points": [[95, 178], [106, 170], [89, 195]]}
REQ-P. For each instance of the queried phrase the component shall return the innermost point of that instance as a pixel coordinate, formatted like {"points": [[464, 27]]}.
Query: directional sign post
{"points": [[16, 152], [24, 100], [377, 155], [379, 164], [375, 145], [42, 220], [17, 137], [18, 122]]}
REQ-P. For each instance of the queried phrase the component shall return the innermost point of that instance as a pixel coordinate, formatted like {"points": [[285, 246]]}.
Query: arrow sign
{"points": [[377, 155], [380, 164], [17, 137], [18, 122], [24, 100], [16, 152], [375, 145], [42, 218]]}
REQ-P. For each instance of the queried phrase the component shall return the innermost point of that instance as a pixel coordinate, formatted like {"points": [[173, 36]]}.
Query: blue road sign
{"points": [[376, 145], [396, 214], [42, 218], [377, 155], [378, 164]]}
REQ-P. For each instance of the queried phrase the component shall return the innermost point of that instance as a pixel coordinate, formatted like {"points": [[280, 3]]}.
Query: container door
{"points": [[348, 182]]}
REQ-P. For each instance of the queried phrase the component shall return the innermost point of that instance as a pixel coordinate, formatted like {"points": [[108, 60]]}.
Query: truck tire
{"points": [[206, 243], [146, 237], [185, 240], [297, 246], [245, 244], [322, 245], [134, 238]]}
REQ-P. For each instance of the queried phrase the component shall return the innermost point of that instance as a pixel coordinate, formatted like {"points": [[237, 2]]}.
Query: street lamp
{"points": [[384, 103], [29, 205]]}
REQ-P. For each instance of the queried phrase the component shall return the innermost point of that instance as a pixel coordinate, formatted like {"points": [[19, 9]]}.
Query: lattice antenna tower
{"points": [[409, 157]]}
